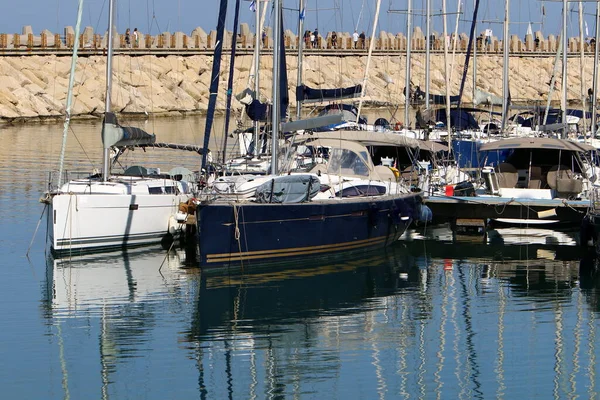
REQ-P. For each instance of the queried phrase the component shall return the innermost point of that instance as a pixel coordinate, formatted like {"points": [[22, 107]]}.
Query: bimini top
{"points": [[374, 138], [537, 143]]}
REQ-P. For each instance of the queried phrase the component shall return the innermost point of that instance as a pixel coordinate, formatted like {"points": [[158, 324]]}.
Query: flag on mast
{"points": [[302, 13], [253, 6]]}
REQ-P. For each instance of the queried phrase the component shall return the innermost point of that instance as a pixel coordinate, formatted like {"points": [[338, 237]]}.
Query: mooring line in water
{"points": [[36, 230]]}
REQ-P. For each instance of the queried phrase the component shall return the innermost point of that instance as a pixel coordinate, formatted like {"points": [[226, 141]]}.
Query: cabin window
{"points": [[155, 190], [347, 162], [362, 190], [170, 189]]}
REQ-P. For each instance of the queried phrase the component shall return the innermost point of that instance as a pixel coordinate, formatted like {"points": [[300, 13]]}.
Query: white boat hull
{"points": [[99, 221]]}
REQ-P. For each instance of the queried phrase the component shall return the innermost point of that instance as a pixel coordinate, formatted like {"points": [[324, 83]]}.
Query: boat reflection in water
{"points": [[110, 306], [424, 318]]}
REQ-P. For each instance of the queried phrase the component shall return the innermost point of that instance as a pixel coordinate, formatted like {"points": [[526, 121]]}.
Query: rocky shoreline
{"points": [[34, 88]]}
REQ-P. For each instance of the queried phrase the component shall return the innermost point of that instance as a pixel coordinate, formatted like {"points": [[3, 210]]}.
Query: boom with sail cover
{"points": [[114, 134], [306, 94]]}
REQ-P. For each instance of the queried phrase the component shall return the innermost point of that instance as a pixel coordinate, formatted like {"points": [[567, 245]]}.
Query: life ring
{"points": [[398, 126], [395, 171]]}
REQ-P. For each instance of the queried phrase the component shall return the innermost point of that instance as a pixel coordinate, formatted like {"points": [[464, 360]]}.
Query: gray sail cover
{"points": [[114, 134], [288, 189]]}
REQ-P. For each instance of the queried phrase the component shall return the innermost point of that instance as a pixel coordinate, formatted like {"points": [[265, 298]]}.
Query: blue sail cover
{"points": [[460, 119], [258, 111], [441, 99], [304, 93]]}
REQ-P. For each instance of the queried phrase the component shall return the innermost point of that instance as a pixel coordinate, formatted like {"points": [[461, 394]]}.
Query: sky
{"points": [[156, 16]]}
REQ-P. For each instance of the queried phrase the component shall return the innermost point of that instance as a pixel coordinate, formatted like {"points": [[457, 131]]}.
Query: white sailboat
{"points": [[108, 210]]}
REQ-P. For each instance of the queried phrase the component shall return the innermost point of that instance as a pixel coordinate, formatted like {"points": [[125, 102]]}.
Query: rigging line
{"points": [[359, 15]]}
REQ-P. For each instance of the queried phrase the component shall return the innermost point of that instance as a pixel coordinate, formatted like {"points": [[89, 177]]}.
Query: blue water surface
{"points": [[427, 318]]}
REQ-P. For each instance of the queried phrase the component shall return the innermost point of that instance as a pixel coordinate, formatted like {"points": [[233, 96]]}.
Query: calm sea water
{"points": [[513, 316]]}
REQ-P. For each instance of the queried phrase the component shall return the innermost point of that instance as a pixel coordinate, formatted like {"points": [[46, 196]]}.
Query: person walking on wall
{"points": [[136, 38], [355, 38], [363, 39], [127, 37]]}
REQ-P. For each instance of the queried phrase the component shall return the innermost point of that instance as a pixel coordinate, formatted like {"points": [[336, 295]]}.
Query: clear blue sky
{"points": [[155, 16]]}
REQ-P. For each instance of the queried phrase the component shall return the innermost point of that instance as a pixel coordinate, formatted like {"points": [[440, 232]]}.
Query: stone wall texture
{"points": [[36, 86]]}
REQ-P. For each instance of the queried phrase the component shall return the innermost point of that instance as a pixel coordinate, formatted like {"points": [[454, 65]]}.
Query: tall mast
{"points": [[505, 89], [106, 153], [427, 52], [565, 43], [595, 78], [371, 45], [276, 95], [70, 94], [214, 80], [446, 72], [581, 67], [475, 55], [408, 48], [300, 51], [257, 37], [230, 78]]}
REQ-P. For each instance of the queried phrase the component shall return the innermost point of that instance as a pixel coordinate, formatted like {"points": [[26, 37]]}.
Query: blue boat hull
{"points": [[233, 233]]}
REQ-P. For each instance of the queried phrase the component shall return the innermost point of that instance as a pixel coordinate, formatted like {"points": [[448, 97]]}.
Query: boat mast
{"points": [[69, 95], [447, 72], [257, 40], [408, 57], [371, 45], [300, 51], [565, 44], [505, 88], [581, 67], [595, 79], [106, 153], [276, 95], [427, 51], [475, 54], [470, 46], [230, 78], [553, 79], [214, 83]]}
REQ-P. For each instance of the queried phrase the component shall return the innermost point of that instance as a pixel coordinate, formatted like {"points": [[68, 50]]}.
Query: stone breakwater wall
{"points": [[35, 87]]}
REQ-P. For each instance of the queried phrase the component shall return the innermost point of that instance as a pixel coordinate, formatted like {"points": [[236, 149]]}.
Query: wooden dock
{"points": [[469, 208]]}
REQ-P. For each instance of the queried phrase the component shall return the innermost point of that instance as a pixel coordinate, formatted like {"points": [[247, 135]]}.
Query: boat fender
{"points": [[425, 213], [398, 126], [173, 225], [395, 171], [587, 233]]}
